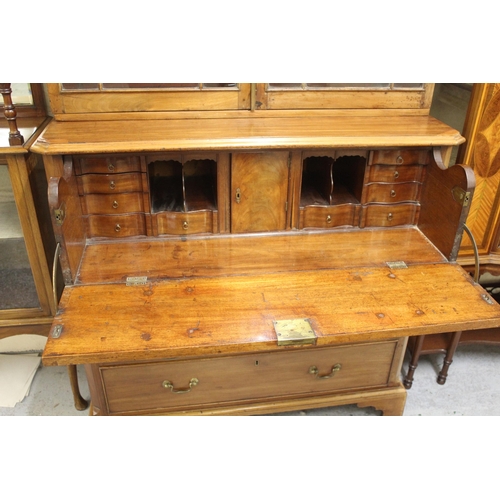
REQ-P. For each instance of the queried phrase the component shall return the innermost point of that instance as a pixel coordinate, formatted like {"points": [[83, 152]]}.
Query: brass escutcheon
{"points": [[115, 204], [168, 385], [399, 160], [111, 167], [112, 185], [328, 219], [117, 228], [396, 174], [390, 217], [393, 193], [238, 195], [185, 224], [313, 370]]}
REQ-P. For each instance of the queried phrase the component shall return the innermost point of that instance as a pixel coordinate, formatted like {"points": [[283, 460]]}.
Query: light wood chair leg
{"points": [[80, 403], [408, 381], [448, 359]]}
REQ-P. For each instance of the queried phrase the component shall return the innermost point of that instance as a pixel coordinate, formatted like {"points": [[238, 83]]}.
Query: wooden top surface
{"points": [[27, 127], [230, 255], [223, 315], [244, 133]]}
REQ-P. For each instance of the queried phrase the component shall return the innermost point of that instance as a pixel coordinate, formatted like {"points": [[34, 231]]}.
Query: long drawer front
{"points": [[176, 385]]}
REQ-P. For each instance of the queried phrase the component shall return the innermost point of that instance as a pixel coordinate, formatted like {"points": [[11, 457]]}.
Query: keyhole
{"points": [[238, 195]]}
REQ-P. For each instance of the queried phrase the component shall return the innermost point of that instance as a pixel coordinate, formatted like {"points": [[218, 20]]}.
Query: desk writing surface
{"points": [[228, 315]]}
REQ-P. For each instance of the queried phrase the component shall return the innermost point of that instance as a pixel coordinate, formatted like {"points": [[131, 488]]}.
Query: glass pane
{"points": [[219, 85], [17, 290], [408, 85], [145, 86], [349, 85], [80, 86], [285, 85], [21, 94]]}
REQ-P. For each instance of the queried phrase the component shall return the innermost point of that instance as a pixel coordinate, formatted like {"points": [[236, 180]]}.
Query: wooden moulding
{"points": [[245, 133]]}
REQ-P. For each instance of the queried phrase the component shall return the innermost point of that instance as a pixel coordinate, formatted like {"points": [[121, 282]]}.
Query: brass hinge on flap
{"points": [[60, 214], [136, 280], [399, 264], [56, 331], [461, 196], [294, 332]]}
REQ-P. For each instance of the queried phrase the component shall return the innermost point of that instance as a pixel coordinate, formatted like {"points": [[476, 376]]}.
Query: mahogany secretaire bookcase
{"points": [[253, 248]]}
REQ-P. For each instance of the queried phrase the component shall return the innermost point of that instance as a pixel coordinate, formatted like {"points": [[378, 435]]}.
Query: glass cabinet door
{"points": [[17, 286], [27, 244]]}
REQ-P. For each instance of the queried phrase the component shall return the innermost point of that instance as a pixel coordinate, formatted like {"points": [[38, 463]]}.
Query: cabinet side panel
{"points": [[69, 227], [446, 198]]}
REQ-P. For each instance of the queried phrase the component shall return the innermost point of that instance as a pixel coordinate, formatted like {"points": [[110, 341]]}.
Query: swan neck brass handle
{"points": [[168, 385], [314, 371]]}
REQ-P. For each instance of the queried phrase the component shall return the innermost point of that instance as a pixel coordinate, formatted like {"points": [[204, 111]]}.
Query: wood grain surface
{"points": [[244, 133], [223, 315]]}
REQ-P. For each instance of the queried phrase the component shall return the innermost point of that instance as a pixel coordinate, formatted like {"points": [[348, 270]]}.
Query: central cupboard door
{"points": [[259, 191]]}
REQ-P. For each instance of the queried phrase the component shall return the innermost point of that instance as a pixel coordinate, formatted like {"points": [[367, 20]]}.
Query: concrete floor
{"points": [[472, 388]]}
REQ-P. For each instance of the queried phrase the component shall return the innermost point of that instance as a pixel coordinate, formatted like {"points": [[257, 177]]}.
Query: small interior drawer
{"points": [[331, 216], [107, 164], [399, 157], [394, 173], [184, 222], [391, 193], [246, 377], [379, 215], [107, 184], [116, 226], [111, 204]]}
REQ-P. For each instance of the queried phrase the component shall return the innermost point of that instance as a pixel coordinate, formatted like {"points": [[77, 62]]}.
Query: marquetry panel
{"points": [[482, 152]]}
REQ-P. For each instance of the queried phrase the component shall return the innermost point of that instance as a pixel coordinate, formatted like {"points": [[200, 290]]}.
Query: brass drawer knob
{"points": [[112, 185], [328, 219], [118, 228], [390, 217], [168, 385], [185, 225], [313, 370], [111, 167], [115, 204], [393, 193], [396, 174], [399, 160]]}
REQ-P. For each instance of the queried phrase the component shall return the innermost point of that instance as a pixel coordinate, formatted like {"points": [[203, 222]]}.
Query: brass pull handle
{"points": [[112, 185], [393, 193], [238, 195], [111, 167], [115, 204], [118, 228], [399, 160], [314, 371], [328, 219], [396, 174], [168, 385], [185, 224], [390, 217]]}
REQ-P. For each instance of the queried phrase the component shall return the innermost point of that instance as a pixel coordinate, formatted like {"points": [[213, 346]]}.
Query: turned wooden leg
{"points": [[80, 403], [408, 381], [448, 359]]}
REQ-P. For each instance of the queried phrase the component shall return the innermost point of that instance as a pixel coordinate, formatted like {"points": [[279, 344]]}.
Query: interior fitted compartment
{"points": [[183, 187], [331, 190], [183, 195]]}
